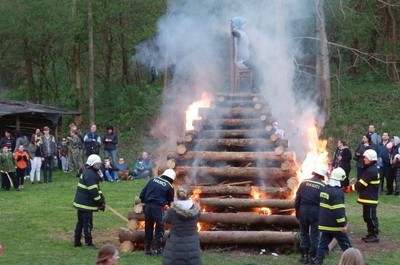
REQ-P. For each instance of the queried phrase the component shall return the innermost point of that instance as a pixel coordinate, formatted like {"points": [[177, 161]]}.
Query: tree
{"points": [[91, 62]]}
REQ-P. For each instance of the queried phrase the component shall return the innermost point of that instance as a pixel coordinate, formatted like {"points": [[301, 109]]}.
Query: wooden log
{"points": [[219, 113], [279, 150], [251, 133], [132, 224], [235, 172], [288, 165], [274, 137], [189, 137], [237, 190], [138, 208], [237, 96], [232, 156], [181, 149], [246, 203], [171, 163], [293, 183], [224, 237], [127, 246], [250, 218], [231, 123], [137, 200], [253, 144]]}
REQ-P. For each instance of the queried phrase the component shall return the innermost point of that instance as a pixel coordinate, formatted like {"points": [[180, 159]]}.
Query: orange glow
{"points": [[255, 192], [192, 112], [198, 227], [140, 225], [196, 195], [317, 155]]}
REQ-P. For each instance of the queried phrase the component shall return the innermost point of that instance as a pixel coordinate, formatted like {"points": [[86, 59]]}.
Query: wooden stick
{"points": [[9, 178], [117, 213], [237, 183]]}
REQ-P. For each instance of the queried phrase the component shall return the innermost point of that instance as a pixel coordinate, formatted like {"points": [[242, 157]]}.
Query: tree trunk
{"points": [[232, 144], [29, 72], [394, 74], [91, 63], [323, 84], [124, 51], [207, 113], [238, 190], [247, 203]]}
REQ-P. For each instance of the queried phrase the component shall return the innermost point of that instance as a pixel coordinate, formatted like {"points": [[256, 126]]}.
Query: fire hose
{"points": [[117, 213]]}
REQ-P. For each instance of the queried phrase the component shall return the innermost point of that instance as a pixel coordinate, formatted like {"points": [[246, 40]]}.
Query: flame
{"points": [[255, 192], [140, 225], [192, 112], [318, 154]]}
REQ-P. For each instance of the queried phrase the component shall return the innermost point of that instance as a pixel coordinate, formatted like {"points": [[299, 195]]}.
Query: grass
{"points": [[37, 223]]}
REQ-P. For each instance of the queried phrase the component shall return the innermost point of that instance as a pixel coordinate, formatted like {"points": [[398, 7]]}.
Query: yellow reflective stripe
{"points": [[375, 182], [97, 198], [363, 182], [316, 182], [353, 187], [367, 201], [87, 187], [341, 220], [329, 228], [331, 207], [85, 206]]}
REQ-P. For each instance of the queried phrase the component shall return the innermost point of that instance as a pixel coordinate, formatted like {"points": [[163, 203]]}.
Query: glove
{"points": [[102, 207], [235, 34], [19, 157]]}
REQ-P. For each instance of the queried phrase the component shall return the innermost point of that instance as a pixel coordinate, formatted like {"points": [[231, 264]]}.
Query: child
{"points": [[22, 163], [7, 169], [109, 170]]}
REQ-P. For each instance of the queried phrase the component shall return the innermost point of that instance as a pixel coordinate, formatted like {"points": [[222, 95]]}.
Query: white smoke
{"points": [[193, 43]]}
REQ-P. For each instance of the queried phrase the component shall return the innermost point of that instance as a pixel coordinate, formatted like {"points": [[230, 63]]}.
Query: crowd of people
{"points": [[34, 157]]}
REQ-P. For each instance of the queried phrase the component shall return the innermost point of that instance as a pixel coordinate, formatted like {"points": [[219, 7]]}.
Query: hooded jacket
{"points": [[183, 244]]}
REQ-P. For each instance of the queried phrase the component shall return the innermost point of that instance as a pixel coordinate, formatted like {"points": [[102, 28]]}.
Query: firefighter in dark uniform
{"points": [[157, 193], [332, 216], [307, 208], [368, 195], [88, 199]]}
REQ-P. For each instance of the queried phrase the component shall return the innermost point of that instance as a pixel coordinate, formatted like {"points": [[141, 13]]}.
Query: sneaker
{"points": [[158, 251], [372, 239]]}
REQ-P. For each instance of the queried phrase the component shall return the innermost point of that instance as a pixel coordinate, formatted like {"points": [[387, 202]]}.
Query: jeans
{"points": [[36, 163], [48, 168], [112, 154], [111, 175], [308, 217]]}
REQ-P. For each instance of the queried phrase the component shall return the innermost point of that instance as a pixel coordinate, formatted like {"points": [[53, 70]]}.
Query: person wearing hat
{"points": [[307, 209], [110, 141], [368, 195], [88, 199], [157, 193], [332, 216]]}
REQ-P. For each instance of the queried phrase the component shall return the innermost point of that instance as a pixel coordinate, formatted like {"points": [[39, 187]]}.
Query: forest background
{"points": [[45, 58]]}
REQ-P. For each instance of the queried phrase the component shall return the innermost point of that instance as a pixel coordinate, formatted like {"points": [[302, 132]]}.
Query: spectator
{"points": [[107, 255], [375, 137], [157, 193], [342, 159], [49, 151], [277, 130], [22, 159], [307, 209], [183, 245], [92, 141], [21, 140], [88, 199], [395, 165], [110, 144], [364, 145], [368, 195], [63, 155], [123, 172], [352, 256], [109, 170], [384, 148], [143, 167], [36, 155], [8, 140], [7, 169], [74, 144], [332, 221]]}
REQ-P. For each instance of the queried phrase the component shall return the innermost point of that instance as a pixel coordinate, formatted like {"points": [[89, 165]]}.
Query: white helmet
{"points": [[321, 170], [93, 159], [169, 173], [338, 174], [371, 155]]}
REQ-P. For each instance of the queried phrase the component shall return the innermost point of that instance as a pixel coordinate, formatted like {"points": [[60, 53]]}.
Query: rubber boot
{"points": [[89, 242], [147, 249], [158, 250], [305, 258], [77, 241]]}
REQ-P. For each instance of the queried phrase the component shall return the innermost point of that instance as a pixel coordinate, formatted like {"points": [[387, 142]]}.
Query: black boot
{"points": [[147, 249], [158, 250], [77, 241], [316, 261], [305, 258], [88, 241]]}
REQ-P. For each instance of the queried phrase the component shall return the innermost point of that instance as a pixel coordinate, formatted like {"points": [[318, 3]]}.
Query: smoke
{"points": [[193, 45]]}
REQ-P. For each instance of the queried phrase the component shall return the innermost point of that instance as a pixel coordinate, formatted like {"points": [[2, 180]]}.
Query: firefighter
{"points": [[88, 199], [157, 193], [368, 195], [332, 216], [307, 208]]}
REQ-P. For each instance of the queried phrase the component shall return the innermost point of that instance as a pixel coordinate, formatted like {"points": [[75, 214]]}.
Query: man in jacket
{"points": [[368, 195], [307, 209], [49, 151], [157, 193], [88, 199]]}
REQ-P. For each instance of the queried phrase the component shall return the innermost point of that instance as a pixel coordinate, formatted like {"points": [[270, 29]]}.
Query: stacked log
{"points": [[241, 173]]}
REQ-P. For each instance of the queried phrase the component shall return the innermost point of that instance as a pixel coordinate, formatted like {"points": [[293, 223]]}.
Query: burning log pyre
{"points": [[240, 172]]}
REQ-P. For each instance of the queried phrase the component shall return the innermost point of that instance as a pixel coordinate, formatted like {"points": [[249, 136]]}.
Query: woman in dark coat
{"points": [[183, 245]]}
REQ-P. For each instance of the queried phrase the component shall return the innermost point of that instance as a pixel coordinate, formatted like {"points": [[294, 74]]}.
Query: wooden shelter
{"points": [[26, 116]]}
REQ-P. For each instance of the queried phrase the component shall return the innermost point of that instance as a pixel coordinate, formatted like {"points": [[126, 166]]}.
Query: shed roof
{"points": [[10, 107]]}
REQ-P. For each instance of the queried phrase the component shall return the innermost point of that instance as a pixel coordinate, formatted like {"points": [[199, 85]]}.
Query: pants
{"points": [[384, 172], [111, 175], [48, 168], [141, 174], [5, 182], [74, 159], [342, 239], [308, 217], [112, 155], [36, 163], [153, 215], [369, 216], [397, 180], [85, 224], [20, 176], [64, 163]]}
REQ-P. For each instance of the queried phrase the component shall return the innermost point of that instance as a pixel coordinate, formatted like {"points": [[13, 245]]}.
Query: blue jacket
{"points": [[368, 186], [158, 191], [332, 214], [308, 193]]}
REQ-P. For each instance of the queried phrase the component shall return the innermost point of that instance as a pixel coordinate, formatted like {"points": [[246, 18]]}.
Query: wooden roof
{"points": [[10, 107]]}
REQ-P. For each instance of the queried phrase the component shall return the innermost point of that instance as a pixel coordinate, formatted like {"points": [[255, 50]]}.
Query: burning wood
{"points": [[230, 123], [228, 144], [247, 203], [234, 113], [251, 133], [240, 190]]}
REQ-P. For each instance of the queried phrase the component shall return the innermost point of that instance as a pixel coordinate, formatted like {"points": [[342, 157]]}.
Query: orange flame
{"points": [[192, 112], [318, 154], [255, 192]]}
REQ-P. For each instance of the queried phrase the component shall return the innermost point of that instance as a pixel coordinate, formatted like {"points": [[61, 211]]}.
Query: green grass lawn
{"points": [[37, 223]]}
